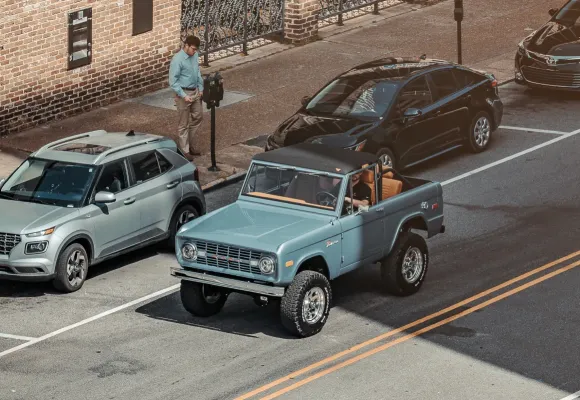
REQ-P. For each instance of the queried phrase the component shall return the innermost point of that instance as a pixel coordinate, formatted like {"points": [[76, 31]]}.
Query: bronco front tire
{"points": [[403, 271], [202, 300], [305, 306]]}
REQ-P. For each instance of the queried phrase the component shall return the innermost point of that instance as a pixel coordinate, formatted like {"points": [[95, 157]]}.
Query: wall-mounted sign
{"points": [[142, 16], [80, 38]]}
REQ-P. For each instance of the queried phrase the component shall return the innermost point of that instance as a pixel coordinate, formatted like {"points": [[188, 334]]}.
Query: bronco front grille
{"points": [[554, 78], [7, 242], [230, 257]]}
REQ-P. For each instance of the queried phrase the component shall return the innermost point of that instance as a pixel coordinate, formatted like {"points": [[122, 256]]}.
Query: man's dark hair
{"points": [[192, 41]]}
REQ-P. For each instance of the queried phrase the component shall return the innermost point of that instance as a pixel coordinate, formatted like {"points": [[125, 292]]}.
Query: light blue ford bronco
{"points": [[306, 215]]}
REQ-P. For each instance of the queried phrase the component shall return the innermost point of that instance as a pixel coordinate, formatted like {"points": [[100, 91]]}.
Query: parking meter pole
{"points": [[459, 61], [213, 167], [458, 15]]}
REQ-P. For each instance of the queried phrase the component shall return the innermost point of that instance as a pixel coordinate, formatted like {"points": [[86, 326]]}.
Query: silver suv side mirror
{"points": [[105, 197]]}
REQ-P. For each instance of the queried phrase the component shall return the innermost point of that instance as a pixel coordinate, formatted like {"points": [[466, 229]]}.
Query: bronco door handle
{"points": [[172, 184], [130, 200]]}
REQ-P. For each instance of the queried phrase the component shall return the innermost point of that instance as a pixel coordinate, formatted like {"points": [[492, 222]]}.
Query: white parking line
{"points": [[503, 160], [91, 319], [573, 396], [16, 337], [519, 128], [176, 287]]}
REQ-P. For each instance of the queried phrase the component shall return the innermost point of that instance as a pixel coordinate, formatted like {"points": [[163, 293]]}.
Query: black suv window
{"points": [[113, 178], [415, 94], [145, 166], [444, 82], [467, 78]]}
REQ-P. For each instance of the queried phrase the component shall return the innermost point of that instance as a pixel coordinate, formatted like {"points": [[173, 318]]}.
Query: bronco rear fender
{"points": [[413, 221]]}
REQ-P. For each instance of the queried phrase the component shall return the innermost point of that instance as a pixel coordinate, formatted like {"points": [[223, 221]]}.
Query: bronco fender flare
{"points": [[416, 220], [309, 256]]}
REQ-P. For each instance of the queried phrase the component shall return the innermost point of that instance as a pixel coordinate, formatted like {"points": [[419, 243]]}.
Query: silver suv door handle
{"points": [[380, 209], [130, 200], [172, 184]]}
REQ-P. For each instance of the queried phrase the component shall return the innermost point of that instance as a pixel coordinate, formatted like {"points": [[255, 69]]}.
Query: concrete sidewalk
{"points": [[268, 85]]}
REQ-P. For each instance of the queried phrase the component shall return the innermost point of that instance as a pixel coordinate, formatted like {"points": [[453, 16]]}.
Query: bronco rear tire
{"points": [[305, 307], [403, 271], [202, 300]]}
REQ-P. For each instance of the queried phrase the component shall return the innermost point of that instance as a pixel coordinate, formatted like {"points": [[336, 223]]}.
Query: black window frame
{"points": [[435, 92], [133, 180], [142, 16], [99, 175], [88, 13], [457, 71], [395, 107]]}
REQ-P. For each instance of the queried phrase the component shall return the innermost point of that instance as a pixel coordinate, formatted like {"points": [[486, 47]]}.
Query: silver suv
{"points": [[81, 200]]}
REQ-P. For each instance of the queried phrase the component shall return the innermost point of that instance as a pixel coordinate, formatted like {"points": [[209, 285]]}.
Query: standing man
{"points": [[185, 79]]}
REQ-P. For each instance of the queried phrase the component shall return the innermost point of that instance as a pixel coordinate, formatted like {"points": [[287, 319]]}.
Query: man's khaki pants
{"points": [[190, 116]]}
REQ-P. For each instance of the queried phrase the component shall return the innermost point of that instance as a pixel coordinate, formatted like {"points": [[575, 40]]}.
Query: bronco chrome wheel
{"points": [[412, 265], [481, 131], [313, 305]]}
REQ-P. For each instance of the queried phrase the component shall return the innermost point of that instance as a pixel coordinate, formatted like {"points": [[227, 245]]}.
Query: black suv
{"points": [[405, 110]]}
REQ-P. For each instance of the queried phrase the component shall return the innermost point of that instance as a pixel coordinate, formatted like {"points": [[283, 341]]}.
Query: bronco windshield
{"points": [[293, 186], [354, 97], [49, 182]]}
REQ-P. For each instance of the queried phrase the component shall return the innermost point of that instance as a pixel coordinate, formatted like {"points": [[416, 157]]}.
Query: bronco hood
{"points": [[302, 128], [254, 226], [18, 217], [554, 39]]}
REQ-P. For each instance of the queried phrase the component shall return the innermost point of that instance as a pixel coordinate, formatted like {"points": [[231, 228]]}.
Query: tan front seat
{"points": [[391, 187]]}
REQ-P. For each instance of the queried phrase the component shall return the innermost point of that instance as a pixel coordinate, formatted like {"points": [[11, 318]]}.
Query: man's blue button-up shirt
{"points": [[184, 72]]}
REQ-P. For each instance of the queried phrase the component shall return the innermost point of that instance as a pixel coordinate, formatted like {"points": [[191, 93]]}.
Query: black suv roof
{"points": [[395, 67]]}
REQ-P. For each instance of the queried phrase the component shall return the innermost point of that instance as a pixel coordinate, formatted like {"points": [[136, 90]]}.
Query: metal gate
{"points": [[336, 11], [231, 24]]}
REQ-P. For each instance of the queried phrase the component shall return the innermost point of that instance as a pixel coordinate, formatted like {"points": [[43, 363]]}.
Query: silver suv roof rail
{"points": [[142, 142], [70, 139]]}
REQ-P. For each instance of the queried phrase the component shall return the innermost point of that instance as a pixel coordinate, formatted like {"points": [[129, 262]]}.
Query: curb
{"points": [[219, 183], [506, 81]]}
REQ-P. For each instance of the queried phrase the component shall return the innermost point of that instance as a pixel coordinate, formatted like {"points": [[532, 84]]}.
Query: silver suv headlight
{"points": [[189, 251], [267, 264]]}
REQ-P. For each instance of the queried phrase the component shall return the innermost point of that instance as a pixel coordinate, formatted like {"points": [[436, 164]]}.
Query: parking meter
{"points": [[219, 88], [213, 93], [458, 10]]}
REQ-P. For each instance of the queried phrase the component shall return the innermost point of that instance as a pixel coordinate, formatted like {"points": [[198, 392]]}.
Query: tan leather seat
{"points": [[391, 187]]}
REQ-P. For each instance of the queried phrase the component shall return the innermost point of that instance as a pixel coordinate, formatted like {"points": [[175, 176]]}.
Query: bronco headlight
{"points": [[41, 233], [189, 251], [267, 264]]}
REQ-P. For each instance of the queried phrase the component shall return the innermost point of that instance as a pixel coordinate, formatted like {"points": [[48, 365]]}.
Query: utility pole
{"points": [[458, 13]]}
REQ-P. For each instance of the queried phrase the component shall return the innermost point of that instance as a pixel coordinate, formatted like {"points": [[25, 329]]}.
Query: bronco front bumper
{"points": [[228, 283]]}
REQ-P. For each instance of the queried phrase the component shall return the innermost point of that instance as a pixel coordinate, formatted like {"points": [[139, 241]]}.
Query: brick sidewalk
{"points": [[270, 87]]}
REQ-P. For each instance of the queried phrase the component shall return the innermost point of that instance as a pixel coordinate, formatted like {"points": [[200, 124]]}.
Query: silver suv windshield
{"points": [[49, 182], [293, 186]]}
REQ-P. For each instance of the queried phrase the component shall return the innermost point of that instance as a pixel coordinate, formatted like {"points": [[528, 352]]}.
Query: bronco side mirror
{"points": [[552, 11], [105, 197], [305, 100]]}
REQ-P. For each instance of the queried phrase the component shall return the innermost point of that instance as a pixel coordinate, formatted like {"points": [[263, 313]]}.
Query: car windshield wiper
{"points": [[37, 200]]}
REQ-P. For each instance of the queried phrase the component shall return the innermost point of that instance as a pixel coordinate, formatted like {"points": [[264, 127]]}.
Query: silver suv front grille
{"points": [[230, 257], [7, 242]]}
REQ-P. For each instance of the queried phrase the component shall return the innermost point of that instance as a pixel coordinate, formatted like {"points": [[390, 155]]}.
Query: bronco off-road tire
{"points": [[197, 300], [403, 271], [305, 306], [71, 269]]}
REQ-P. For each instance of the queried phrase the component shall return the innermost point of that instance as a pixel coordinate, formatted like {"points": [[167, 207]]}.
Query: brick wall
{"points": [[35, 83], [301, 20]]}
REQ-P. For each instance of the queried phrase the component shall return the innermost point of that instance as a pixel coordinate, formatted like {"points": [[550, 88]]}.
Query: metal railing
{"points": [[231, 24], [336, 11]]}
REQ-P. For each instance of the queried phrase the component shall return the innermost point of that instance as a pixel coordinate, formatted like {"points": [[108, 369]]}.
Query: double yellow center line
{"points": [[413, 324]]}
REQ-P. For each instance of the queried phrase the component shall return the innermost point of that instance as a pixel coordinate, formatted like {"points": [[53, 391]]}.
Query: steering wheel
{"points": [[326, 199]]}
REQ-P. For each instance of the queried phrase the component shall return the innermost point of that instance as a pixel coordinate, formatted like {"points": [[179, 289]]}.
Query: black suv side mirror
{"points": [[552, 11], [411, 113], [305, 100]]}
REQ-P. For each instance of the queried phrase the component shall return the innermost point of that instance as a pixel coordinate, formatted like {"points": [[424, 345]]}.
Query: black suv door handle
{"points": [[172, 185]]}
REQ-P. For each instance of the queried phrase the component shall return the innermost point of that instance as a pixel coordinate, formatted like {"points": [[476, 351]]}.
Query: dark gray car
{"points": [[84, 199]]}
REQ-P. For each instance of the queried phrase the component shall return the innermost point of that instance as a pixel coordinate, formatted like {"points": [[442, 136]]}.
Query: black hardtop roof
{"points": [[318, 157]]}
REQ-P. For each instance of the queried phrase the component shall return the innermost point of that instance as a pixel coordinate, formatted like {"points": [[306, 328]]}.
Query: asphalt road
{"points": [[519, 342]]}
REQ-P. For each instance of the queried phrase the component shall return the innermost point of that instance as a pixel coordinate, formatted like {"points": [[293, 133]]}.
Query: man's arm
{"points": [[174, 71]]}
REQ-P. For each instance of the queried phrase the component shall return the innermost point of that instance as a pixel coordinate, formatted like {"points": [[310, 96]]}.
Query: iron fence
{"points": [[336, 11], [227, 25]]}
